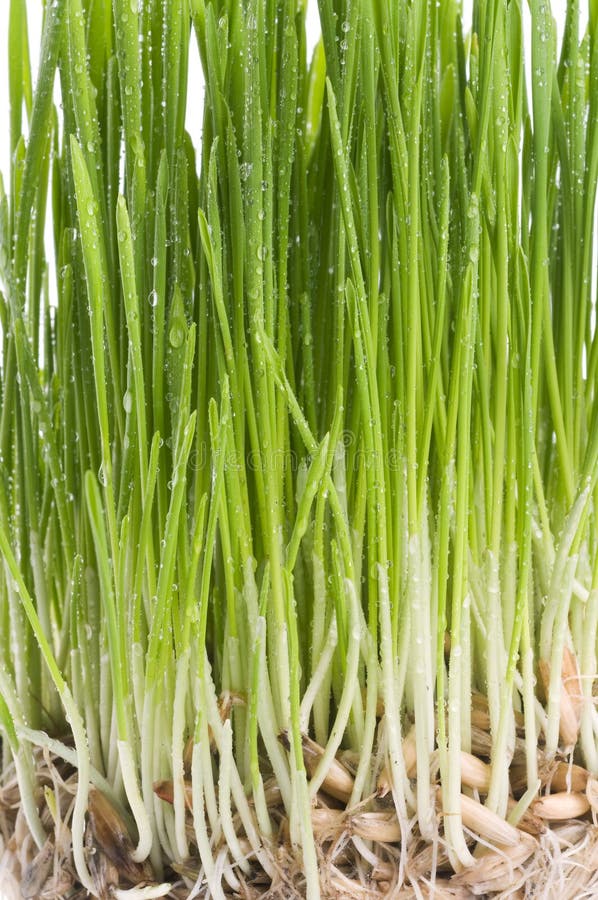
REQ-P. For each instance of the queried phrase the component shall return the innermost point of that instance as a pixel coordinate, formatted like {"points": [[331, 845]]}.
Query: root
{"points": [[552, 851]]}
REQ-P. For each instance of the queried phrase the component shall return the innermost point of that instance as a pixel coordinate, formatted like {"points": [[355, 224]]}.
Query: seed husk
{"points": [[488, 824], [165, 791], [326, 822], [561, 806], [376, 826], [474, 772], [111, 836], [592, 793], [569, 777], [571, 679], [495, 868], [425, 858], [528, 822], [38, 871], [384, 871], [384, 783], [338, 781], [568, 715], [347, 888]]}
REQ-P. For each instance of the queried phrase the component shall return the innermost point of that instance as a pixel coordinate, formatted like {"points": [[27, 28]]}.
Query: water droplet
{"points": [[154, 261], [176, 335], [153, 298], [128, 401], [102, 475]]}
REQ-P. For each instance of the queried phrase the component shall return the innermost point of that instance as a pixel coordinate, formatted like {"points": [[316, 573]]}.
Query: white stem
{"points": [[588, 673], [267, 723], [451, 784], [178, 769], [346, 698], [561, 600], [224, 790], [422, 681], [365, 775], [81, 798], [41, 739], [138, 679], [233, 783], [322, 700], [163, 815], [318, 676], [391, 705], [23, 764], [25, 780], [494, 639], [131, 783], [143, 893]]}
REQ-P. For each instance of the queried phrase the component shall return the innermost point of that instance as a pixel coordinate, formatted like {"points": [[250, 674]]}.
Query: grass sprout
{"points": [[299, 450]]}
